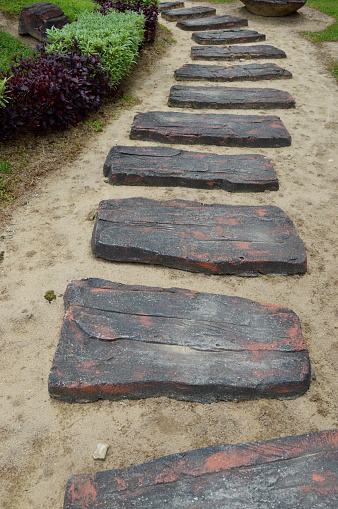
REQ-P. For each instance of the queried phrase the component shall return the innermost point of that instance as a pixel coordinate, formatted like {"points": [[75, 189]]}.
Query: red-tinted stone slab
{"points": [[211, 129], [229, 97], [246, 72], [294, 472], [35, 19], [166, 166], [166, 6], [235, 52], [212, 23], [234, 36], [273, 7], [188, 13], [213, 239], [121, 341]]}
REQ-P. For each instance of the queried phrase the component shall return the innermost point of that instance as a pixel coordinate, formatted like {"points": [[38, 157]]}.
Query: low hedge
{"points": [[149, 9], [116, 38]]}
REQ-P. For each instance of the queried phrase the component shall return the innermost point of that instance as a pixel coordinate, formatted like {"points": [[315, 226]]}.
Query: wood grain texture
{"points": [[294, 472], [186, 235], [182, 96], [212, 22], [188, 13], [166, 166], [246, 72], [234, 36], [236, 52], [120, 341], [211, 129]]}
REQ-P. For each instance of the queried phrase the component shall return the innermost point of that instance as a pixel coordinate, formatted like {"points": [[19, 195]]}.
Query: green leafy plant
{"points": [[115, 38], [3, 93]]}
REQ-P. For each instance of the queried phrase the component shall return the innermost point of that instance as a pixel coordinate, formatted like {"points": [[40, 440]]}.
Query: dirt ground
{"points": [[47, 245]]}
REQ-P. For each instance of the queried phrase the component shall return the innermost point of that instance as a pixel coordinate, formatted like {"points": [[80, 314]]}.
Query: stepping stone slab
{"points": [[166, 6], [166, 166], [121, 341], [236, 35], [235, 52], [273, 7], [212, 23], [229, 97], [189, 13], [187, 235], [290, 472], [211, 129], [246, 72], [35, 19]]}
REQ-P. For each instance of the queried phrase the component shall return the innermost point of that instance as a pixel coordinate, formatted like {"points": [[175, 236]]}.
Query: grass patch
{"points": [[333, 67], [9, 47], [71, 8], [330, 7]]}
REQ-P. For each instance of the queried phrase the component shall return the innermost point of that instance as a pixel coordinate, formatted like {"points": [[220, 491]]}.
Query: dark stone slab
{"points": [[235, 52], [35, 19], [166, 166], [213, 239], [121, 341], [166, 6], [229, 97], [234, 36], [212, 23], [273, 7], [211, 129], [188, 13], [294, 472], [246, 72]]}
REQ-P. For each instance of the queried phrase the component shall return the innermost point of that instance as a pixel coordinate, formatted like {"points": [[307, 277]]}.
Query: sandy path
{"points": [[48, 244]]}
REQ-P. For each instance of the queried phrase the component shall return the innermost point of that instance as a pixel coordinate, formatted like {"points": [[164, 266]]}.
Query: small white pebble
{"points": [[101, 451]]}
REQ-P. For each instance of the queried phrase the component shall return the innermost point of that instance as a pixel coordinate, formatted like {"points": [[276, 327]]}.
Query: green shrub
{"points": [[115, 38]]}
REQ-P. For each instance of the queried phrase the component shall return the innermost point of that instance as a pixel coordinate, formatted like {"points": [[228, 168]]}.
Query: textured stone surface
{"points": [[273, 7], [294, 472], [35, 19], [212, 239], [236, 52], [188, 13], [211, 23], [229, 97], [121, 341], [166, 166], [211, 129], [246, 72], [234, 36], [166, 6]]}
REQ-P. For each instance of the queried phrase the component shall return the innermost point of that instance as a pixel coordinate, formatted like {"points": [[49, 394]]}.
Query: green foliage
{"points": [[9, 47], [72, 8], [3, 95], [115, 37]]}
